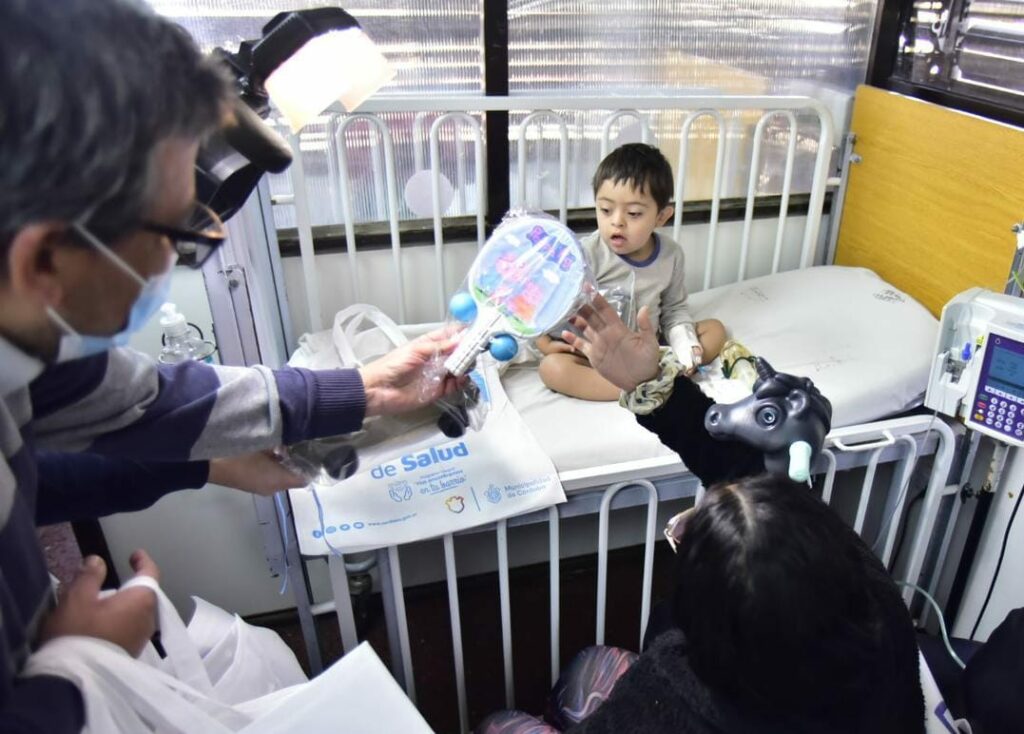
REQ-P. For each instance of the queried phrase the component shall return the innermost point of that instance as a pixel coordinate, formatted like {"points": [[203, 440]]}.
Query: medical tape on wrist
{"points": [[682, 338]]}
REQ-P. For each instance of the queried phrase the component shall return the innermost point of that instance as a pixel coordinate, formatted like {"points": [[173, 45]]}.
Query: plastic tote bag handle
{"points": [[357, 345], [124, 695], [182, 660]]}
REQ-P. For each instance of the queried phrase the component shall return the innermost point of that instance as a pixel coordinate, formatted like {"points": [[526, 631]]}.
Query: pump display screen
{"points": [[999, 399], [1006, 371]]}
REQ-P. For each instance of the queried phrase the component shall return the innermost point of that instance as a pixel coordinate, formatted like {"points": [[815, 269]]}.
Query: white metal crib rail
{"points": [[901, 441], [461, 111]]}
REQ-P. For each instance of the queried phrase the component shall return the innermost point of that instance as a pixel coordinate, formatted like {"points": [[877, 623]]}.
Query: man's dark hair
{"points": [[785, 609], [88, 88], [641, 166]]}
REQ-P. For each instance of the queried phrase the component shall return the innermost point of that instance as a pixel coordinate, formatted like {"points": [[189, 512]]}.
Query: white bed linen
{"points": [[865, 344], [578, 434]]}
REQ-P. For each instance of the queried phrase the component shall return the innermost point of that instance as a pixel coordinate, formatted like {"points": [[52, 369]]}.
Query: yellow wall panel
{"points": [[930, 206]]}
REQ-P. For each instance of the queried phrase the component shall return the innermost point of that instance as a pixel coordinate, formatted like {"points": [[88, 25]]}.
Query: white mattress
{"points": [[579, 434], [865, 344]]}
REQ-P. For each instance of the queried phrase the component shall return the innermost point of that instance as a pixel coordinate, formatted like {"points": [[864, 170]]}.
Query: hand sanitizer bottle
{"points": [[182, 341]]}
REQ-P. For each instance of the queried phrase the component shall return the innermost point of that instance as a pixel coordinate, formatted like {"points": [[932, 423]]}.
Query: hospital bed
{"points": [[866, 342]]}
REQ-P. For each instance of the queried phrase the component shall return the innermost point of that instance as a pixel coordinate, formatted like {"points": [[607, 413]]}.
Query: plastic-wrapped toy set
{"points": [[529, 277]]}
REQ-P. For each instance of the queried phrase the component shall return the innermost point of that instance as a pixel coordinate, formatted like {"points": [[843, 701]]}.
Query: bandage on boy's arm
{"points": [[677, 324], [684, 342]]}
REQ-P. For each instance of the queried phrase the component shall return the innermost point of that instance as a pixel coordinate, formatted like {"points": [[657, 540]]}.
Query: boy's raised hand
{"points": [[623, 357]]}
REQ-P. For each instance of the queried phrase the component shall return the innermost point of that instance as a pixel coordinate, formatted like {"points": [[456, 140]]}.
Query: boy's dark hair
{"points": [[785, 609], [641, 166]]}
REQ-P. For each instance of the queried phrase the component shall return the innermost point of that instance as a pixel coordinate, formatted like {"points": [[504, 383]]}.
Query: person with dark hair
{"points": [[103, 106], [789, 615], [781, 618], [783, 621], [633, 188]]}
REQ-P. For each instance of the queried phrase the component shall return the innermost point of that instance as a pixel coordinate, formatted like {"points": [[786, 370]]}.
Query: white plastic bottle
{"points": [[182, 341]]}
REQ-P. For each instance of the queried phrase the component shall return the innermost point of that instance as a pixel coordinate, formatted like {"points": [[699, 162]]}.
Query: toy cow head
{"points": [[787, 418]]}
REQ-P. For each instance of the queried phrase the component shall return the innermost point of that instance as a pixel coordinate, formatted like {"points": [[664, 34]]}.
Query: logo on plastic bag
{"points": [[400, 491]]}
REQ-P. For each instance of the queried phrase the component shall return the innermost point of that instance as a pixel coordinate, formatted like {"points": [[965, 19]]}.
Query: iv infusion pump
{"points": [[977, 375]]}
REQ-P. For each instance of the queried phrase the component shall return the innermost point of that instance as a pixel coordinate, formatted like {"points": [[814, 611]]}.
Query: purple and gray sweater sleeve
{"points": [[86, 486], [43, 703], [124, 404]]}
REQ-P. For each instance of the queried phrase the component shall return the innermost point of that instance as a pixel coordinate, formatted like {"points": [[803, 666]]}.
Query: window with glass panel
{"points": [[666, 47], [973, 47], [564, 47], [436, 47]]}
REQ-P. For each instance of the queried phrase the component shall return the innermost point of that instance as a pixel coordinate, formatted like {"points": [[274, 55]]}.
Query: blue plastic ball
{"points": [[503, 347], [463, 307]]}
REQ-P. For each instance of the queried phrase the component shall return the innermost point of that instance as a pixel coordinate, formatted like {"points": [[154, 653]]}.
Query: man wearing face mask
{"points": [[102, 108]]}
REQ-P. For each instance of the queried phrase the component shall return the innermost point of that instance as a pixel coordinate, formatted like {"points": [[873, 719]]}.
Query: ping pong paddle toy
{"points": [[529, 277]]}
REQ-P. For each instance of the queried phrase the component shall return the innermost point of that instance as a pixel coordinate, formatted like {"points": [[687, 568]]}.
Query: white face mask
{"points": [[153, 295]]}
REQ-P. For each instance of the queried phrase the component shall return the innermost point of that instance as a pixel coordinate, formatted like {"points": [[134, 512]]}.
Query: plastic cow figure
{"points": [[787, 418]]}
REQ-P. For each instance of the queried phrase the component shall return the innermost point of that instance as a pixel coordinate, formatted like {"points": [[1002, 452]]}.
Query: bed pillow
{"points": [[866, 344]]}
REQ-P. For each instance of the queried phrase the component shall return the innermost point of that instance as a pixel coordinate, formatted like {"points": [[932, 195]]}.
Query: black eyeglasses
{"points": [[202, 234]]}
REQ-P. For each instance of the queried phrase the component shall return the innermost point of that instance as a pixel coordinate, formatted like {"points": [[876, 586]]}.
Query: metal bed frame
{"points": [[901, 442]]}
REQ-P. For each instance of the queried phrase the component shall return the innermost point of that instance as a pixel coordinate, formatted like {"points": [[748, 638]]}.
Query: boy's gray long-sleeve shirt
{"points": [[658, 281], [122, 403]]}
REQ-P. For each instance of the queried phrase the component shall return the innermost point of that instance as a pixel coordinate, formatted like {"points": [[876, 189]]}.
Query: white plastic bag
{"points": [[421, 484], [362, 333], [125, 695], [243, 661]]}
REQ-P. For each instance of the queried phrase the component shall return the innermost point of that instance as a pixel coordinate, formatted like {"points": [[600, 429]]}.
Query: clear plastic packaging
{"points": [[382, 438], [529, 277], [620, 297]]}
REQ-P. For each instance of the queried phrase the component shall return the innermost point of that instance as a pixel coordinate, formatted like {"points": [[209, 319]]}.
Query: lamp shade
{"points": [[304, 62], [308, 59]]}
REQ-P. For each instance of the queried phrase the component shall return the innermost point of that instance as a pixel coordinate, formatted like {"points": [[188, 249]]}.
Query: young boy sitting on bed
{"points": [[633, 190]]}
